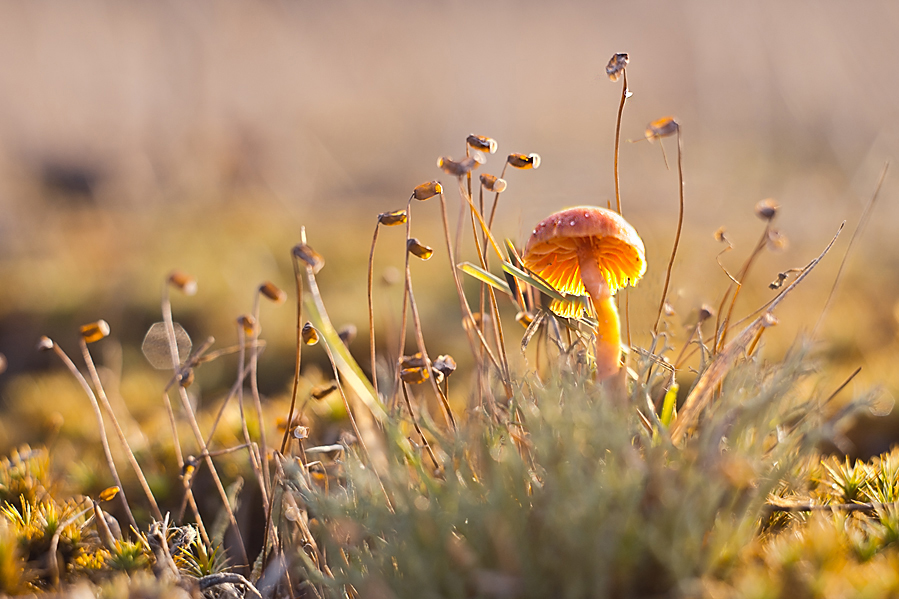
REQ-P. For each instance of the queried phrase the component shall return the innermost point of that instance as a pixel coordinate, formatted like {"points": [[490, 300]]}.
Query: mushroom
{"points": [[593, 250]]}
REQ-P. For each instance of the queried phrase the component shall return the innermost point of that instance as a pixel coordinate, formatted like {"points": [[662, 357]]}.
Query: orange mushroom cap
{"points": [[552, 250]]}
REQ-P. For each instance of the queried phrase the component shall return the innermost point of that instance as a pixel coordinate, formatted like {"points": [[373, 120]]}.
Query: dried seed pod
{"points": [[493, 183], [663, 127], [428, 190], [445, 364], [309, 256], [391, 219], [766, 209], [417, 248], [300, 432], [719, 235], [524, 318], [108, 493], [95, 331], [706, 312], [310, 335], [482, 143], [414, 376], [416, 360], [191, 463], [281, 423], [273, 292], [776, 241], [769, 320], [524, 161], [616, 66], [247, 323], [322, 391], [668, 309], [44, 344], [187, 378], [347, 333], [183, 281], [461, 168], [781, 277]]}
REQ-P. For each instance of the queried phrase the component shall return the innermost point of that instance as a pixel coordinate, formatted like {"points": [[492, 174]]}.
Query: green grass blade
{"points": [[485, 277], [668, 406], [532, 280], [352, 374]]}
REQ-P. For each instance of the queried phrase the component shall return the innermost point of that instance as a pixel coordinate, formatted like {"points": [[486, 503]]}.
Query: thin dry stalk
{"points": [[624, 96], [503, 364], [257, 400], [702, 391], [103, 439], [299, 352], [188, 494], [356, 431], [371, 309], [418, 430], [406, 293], [101, 394], [419, 337], [195, 427], [680, 224], [862, 221], [722, 327], [254, 458], [494, 308], [466, 310]]}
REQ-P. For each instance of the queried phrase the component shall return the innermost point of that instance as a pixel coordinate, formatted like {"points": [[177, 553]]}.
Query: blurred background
{"points": [[139, 137]]}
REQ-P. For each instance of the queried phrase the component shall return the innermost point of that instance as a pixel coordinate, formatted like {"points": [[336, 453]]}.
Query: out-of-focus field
{"points": [[140, 137]]}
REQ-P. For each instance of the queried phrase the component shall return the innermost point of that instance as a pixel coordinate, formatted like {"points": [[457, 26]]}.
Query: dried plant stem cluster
{"points": [[564, 477]]}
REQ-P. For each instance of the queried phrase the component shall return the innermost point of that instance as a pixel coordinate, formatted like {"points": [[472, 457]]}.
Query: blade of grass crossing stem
{"points": [[353, 376], [485, 277], [531, 280]]}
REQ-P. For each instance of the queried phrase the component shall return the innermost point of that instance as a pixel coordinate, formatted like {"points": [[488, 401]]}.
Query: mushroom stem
{"points": [[608, 338], [608, 328]]}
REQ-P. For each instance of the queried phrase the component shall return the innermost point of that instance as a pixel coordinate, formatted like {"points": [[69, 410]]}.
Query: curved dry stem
{"points": [[299, 353], [466, 310], [494, 308], [406, 292], [680, 224], [419, 337], [712, 376], [722, 327], [356, 431], [254, 458], [101, 394], [195, 427], [624, 95], [371, 308], [862, 221], [257, 400], [418, 430], [104, 441]]}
